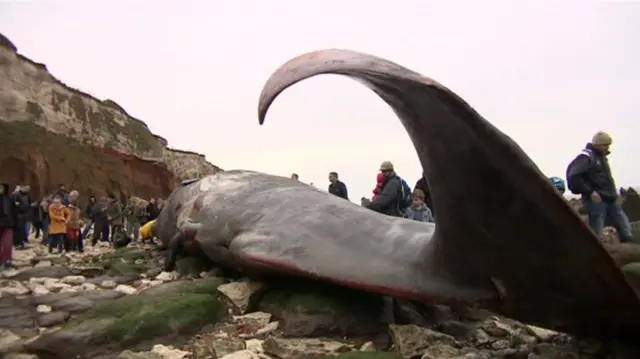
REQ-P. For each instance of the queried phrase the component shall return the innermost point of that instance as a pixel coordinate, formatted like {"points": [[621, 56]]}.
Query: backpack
{"points": [[570, 182], [406, 195]]}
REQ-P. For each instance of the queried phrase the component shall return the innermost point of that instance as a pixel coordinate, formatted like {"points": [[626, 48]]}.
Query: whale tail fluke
{"points": [[500, 224]]}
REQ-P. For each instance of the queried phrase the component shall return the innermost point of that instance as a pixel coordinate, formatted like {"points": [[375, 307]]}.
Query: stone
{"points": [[125, 289], [20, 356], [223, 347], [44, 264], [313, 309], [242, 354], [135, 318], [241, 294], [108, 284], [411, 340], [53, 318], [270, 327], [43, 308], [49, 272], [13, 287], [88, 286], [167, 276], [257, 318], [37, 289], [169, 352], [440, 351], [254, 345], [368, 347], [8, 340], [297, 348]]}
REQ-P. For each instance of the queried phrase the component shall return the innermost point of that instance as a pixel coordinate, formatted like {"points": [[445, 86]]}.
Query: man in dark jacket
{"points": [[337, 187], [88, 212], [22, 203], [590, 176], [101, 221], [424, 187], [7, 225], [152, 210], [388, 200]]}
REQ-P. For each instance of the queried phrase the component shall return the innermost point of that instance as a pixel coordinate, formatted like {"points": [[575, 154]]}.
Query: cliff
{"points": [[51, 133]]}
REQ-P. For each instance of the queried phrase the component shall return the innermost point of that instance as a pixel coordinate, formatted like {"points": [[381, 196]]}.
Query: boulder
{"points": [[126, 321]]}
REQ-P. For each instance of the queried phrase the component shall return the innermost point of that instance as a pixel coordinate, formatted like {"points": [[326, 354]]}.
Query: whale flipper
{"points": [[501, 224]]}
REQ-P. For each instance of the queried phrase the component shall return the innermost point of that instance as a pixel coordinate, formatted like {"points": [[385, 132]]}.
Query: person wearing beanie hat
{"points": [[388, 199], [589, 175]]}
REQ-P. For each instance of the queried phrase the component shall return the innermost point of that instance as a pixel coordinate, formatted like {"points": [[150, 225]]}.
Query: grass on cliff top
{"points": [[142, 317]]}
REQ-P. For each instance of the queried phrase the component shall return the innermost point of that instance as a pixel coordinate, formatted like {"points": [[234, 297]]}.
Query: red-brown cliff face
{"points": [[52, 134]]}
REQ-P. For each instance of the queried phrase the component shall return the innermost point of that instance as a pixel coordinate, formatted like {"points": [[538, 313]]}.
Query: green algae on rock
{"points": [[308, 308], [130, 320]]}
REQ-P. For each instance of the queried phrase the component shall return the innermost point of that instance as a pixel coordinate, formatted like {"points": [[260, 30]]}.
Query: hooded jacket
{"points": [[7, 208]]}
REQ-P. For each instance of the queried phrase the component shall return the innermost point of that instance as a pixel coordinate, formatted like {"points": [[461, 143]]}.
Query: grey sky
{"points": [[547, 73]]}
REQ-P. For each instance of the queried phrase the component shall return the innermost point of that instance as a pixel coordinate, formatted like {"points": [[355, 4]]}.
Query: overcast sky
{"points": [[547, 73]]}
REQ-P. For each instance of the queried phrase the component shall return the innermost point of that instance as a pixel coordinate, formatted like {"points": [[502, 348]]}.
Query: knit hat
{"points": [[601, 138], [386, 166]]}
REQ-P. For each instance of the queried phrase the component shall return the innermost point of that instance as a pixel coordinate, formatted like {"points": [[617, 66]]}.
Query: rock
{"points": [[302, 348], [256, 318], [368, 347], [37, 289], [441, 351], [270, 327], [8, 340], [74, 302], [242, 354], [169, 352], [20, 356], [312, 309], [16, 313], [88, 286], [137, 318], [44, 264], [43, 308], [412, 341], [108, 284], [13, 287], [241, 295], [167, 276], [49, 272], [223, 347], [53, 318], [541, 333], [254, 345], [73, 279], [126, 289], [128, 354]]}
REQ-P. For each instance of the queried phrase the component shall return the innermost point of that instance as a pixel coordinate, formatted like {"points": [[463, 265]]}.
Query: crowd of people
{"points": [[60, 222], [588, 175], [63, 225]]}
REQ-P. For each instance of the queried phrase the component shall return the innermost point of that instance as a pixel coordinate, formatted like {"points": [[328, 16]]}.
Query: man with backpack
{"points": [[395, 194], [589, 175]]}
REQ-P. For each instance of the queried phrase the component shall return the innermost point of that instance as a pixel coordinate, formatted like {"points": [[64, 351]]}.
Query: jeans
{"points": [[86, 229], [599, 213], [58, 240], [27, 230], [45, 232]]}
